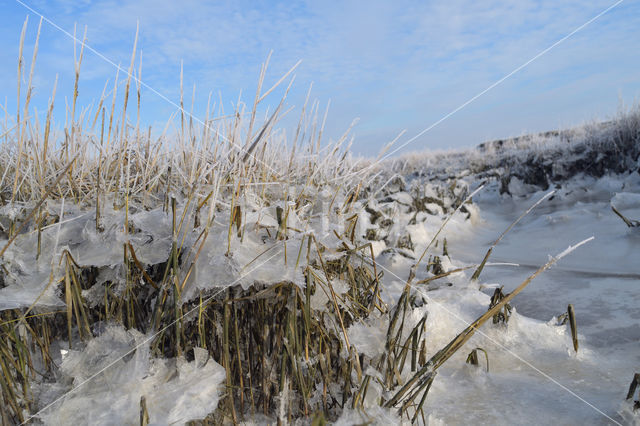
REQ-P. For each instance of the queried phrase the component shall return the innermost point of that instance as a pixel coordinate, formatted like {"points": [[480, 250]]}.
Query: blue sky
{"points": [[393, 65]]}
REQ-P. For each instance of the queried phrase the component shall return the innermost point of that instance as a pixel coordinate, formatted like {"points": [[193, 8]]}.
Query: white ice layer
{"points": [[175, 390]]}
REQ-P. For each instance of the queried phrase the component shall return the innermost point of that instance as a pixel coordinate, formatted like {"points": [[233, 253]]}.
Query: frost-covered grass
{"points": [[540, 159]]}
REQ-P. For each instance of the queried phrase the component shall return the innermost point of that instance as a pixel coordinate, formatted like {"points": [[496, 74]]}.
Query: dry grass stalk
{"points": [[629, 222], [472, 358], [573, 325], [633, 386], [144, 414]]}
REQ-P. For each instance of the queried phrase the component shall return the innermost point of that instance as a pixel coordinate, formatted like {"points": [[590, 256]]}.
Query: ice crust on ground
{"points": [[531, 358], [220, 263], [372, 415]]}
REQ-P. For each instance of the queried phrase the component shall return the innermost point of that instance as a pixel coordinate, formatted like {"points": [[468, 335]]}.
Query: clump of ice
{"points": [[369, 337], [629, 415], [373, 416], [518, 188], [117, 376], [628, 204], [31, 278]]}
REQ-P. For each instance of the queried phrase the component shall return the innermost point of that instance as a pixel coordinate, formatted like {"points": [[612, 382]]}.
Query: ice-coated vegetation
{"points": [[539, 160]]}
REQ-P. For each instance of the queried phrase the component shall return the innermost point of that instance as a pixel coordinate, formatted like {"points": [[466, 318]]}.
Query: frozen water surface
{"points": [[601, 280]]}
